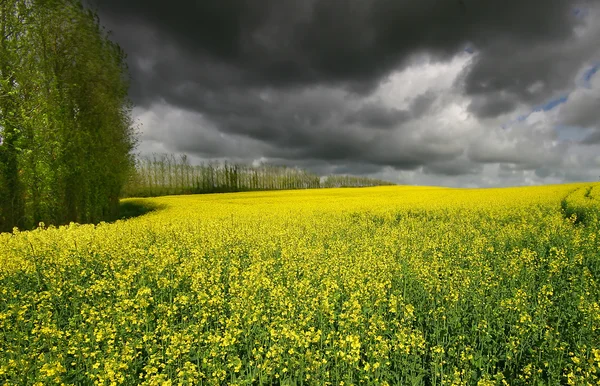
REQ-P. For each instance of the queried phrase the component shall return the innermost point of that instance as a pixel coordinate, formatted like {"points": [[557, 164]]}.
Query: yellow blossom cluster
{"points": [[368, 286]]}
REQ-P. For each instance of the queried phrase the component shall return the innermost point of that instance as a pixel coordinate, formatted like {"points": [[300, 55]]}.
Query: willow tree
{"points": [[64, 115]]}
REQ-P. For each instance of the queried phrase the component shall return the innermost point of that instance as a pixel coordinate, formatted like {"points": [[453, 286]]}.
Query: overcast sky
{"points": [[437, 92]]}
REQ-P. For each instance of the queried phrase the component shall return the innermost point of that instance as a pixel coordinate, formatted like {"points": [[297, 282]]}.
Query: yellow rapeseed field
{"points": [[368, 286]]}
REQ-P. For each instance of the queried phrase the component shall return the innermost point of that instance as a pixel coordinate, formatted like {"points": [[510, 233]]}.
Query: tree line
{"points": [[345, 181], [66, 132], [165, 174]]}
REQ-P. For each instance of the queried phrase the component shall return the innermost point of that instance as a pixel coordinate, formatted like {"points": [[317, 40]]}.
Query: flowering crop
{"points": [[386, 286]]}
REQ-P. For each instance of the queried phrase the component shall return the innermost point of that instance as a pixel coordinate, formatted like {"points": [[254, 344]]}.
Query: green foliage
{"points": [[64, 115]]}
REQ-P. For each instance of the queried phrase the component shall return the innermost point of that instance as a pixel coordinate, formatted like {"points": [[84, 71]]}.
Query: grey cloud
{"points": [[581, 109], [422, 103], [292, 80], [377, 116], [357, 169], [530, 70], [592, 138], [457, 167], [492, 105], [524, 147], [581, 112], [543, 172]]}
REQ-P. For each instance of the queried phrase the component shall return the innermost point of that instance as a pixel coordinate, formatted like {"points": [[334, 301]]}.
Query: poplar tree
{"points": [[65, 118]]}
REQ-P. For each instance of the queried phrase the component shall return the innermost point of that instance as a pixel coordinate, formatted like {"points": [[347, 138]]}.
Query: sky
{"points": [[464, 93]]}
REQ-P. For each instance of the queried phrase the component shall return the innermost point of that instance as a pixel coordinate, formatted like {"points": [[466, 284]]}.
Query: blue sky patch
{"points": [[552, 104], [587, 76], [545, 107]]}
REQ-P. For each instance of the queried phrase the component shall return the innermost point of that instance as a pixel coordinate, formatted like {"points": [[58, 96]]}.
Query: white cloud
{"points": [[402, 86]]}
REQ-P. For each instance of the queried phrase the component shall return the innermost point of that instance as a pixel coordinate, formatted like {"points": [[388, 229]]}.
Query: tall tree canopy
{"points": [[66, 132]]}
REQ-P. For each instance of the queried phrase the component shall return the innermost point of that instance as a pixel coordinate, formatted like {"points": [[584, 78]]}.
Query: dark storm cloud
{"points": [[288, 79], [345, 42]]}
